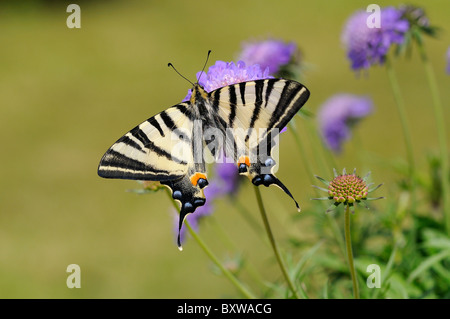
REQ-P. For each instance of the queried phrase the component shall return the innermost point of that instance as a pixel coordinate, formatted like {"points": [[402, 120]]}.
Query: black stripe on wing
{"points": [[216, 100], [117, 165], [128, 141], [290, 91], [270, 84], [154, 122], [186, 110], [233, 100], [141, 136], [259, 85], [168, 120], [242, 86]]}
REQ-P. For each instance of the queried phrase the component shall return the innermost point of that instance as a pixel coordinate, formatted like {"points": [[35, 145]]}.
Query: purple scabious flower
{"points": [[368, 45], [448, 60], [272, 54], [338, 114], [227, 73], [227, 179]]}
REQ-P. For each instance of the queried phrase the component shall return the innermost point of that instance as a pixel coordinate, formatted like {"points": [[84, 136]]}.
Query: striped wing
{"points": [[162, 149], [153, 150], [262, 104], [255, 112]]}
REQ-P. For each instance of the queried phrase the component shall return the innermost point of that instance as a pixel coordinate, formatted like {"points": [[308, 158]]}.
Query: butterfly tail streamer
{"points": [[270, 179], [180, 224]]}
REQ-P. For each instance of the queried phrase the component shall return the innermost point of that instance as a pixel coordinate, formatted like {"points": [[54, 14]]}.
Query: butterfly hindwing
{"points": [[163, 149], [256, 111]]}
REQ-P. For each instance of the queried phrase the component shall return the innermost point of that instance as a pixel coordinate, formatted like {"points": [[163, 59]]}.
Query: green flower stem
{"points": [[211, 256], [440, 126], [253, 273], [348, 242], [333, 223], [403, 120], [273, 243]]}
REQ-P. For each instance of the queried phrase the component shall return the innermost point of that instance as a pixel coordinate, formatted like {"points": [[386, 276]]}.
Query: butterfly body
{"points": [[240, 121]]}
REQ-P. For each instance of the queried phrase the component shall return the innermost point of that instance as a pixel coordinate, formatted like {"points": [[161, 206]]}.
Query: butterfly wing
{"points": [[162, 149], [146, 152], [255, 112]]}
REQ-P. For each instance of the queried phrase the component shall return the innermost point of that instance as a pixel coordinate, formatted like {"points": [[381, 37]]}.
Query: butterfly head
{"points": [[198, 93]]}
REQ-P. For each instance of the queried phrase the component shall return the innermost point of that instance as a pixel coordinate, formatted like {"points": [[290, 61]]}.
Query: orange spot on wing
{"points": [[244, 160], [196, 177]]}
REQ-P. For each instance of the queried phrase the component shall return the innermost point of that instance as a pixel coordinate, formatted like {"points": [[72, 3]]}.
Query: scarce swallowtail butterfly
{"points": [[241, 119]]}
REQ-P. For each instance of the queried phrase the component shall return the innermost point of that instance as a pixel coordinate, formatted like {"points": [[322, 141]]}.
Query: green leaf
{"points": [[321, 188], [295, 273], [427, 263], [322, 180]]}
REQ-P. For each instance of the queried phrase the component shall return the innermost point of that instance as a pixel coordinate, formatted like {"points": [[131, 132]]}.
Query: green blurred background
{"points": [[67, 94]]}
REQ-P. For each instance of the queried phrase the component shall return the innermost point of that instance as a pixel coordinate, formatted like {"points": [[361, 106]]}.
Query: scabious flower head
{"points": [[347, 189], [368, 45], [227, 73], [338, 114], [272, 54]]}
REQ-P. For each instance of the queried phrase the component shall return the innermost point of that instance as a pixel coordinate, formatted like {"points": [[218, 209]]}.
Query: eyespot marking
{"points": [[199, 179]]}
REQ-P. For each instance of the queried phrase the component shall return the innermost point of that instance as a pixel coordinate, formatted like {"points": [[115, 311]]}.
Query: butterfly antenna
{"points": [[171, 65], [204, 66]]}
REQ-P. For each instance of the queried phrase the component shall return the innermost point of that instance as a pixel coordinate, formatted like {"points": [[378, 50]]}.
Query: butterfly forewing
{"points": [[158, 149]]}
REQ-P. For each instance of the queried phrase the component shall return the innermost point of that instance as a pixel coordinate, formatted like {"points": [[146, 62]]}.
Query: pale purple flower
{"points": [[415, 15], [272, 54], [227, 178], [366, 45], [227, 73], [338, 114], [448, 60]]}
